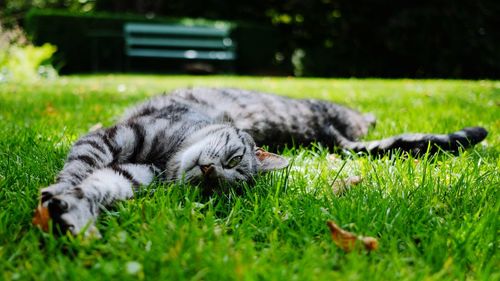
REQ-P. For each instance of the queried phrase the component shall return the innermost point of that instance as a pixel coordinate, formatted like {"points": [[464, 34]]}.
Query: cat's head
{"points": [[222, 153]]}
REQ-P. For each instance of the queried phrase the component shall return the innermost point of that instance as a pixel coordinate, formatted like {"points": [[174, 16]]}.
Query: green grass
{"points": [[436, 218]]}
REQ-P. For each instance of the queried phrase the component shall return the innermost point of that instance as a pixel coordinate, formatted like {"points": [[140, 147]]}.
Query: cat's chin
{"points": [[212, 186], [208, 182]]}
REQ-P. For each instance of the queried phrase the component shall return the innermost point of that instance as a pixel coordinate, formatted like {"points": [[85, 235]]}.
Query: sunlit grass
{"points": [[436, 218]]}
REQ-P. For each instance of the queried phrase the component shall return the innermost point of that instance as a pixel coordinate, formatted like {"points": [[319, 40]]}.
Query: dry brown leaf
{"points": [[333, 157], [50, 110], [340, 186], [347, 240], [41, 217], [95, 127]]}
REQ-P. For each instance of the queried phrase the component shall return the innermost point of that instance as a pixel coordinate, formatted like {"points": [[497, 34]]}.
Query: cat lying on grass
{"points": [[208, 136]]}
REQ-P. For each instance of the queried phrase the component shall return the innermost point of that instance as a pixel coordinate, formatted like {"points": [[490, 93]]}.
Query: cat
{"points": [[209, 136]]}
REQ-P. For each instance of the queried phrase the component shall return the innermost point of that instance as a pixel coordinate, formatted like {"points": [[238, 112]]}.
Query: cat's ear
{"points": [[269, 161]]}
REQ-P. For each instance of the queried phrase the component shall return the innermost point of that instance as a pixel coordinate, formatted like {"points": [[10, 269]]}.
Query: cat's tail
{"points": [[415, 144]]}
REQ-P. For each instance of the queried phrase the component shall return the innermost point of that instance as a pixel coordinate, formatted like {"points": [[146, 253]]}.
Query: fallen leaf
{"points": [[95, 127], [333, 157], [347, 240], [41, 218], [49, 110], [340, 186]]}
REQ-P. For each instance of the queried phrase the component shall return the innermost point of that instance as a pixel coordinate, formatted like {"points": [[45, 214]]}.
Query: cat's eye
{"points": [[234, 161]]}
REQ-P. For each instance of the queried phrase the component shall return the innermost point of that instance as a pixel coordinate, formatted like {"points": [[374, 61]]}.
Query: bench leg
{"points": [[127, 64]]}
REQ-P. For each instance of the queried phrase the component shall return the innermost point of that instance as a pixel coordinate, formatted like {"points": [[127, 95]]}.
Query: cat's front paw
{"points": [[69, 211], [52, 190]]}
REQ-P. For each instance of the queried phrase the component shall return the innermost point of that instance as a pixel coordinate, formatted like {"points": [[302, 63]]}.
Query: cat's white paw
{"points": [[52, 190], [70, 211]]}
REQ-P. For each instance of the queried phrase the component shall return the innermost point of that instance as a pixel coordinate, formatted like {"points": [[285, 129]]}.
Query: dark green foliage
{"points": [[256, 48], [395, 39], [12, 12], [80, 37], [390, 38]]}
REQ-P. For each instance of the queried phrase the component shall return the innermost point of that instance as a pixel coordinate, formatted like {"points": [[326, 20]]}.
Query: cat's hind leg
{"points": [[350, 123], [370, 119], [417, 144], [77, 208]]}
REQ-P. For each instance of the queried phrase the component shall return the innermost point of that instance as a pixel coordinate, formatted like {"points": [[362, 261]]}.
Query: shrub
{"points": [[20, 60], [84, 38], [449, 38], [388, 38]]}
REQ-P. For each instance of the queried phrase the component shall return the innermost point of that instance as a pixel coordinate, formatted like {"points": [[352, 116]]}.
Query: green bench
{"points": [[193, 43]]}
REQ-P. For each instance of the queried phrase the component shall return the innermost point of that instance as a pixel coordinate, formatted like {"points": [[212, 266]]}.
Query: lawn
{"points": [[436, 218]]}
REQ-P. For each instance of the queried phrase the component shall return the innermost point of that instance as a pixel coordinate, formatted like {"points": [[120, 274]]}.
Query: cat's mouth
{"points": [[211, 186], [208, 181], [212, 183]]}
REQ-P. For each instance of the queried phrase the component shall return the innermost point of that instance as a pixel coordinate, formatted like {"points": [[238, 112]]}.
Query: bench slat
{"points": [[181, 54], [178, 42], [222, 43], [176, 29]]}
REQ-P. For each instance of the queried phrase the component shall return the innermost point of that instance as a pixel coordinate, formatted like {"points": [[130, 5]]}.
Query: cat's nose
{"points": [[207, 170]]}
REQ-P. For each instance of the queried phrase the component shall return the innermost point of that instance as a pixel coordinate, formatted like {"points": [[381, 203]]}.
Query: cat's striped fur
{"points": [[206, 136]]}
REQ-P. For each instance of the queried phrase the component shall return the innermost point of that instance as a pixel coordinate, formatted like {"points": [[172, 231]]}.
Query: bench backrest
{"points": [[176, 41]]}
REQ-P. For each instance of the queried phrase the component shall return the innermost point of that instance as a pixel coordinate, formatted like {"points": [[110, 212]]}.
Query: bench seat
{"points": [[178, 42]]}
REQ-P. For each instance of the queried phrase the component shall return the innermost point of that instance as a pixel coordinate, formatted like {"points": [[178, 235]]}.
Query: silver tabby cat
{"points": [[207, 136]]}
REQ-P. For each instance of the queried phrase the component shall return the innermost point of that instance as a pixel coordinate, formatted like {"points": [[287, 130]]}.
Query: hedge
{"points": [[448, 38], [361, 38], [81, 36], [384, 38]]}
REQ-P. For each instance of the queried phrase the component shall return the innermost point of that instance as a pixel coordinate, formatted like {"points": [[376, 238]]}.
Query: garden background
{"points": [[435, 217], [361, 38]]}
